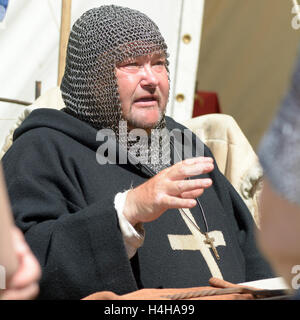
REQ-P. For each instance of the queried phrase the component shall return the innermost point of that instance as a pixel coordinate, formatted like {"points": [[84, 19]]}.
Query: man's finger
{"points": [[192, 194], [181, 186], [185, 170], [176, 203], [198, 160]]}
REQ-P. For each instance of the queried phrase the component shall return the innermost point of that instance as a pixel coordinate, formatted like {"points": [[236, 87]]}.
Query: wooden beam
{"points": [[65, 26], [24, 103], [38, 89]]}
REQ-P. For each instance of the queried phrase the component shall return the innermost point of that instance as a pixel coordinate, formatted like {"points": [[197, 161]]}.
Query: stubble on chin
{"points": [[134, 123]]}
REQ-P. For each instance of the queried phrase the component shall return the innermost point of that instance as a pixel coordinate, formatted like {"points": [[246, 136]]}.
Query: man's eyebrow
{"points": [[157, 56], [129, 60]]}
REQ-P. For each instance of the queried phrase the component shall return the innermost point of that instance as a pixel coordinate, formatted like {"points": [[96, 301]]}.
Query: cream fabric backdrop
{"points": [[247, 53]]}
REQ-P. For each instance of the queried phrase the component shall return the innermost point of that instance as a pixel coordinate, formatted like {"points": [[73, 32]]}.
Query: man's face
{"points": [[144, 90]]}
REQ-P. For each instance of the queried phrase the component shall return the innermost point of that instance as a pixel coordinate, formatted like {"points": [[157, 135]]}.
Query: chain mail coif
{"points": [[99, 40]]}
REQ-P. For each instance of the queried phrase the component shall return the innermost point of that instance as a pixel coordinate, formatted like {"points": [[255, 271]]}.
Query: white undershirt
{"points": [[133, 236]]}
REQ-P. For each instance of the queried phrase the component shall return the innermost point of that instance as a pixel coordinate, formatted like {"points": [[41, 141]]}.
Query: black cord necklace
{"points": [[208, 240]]}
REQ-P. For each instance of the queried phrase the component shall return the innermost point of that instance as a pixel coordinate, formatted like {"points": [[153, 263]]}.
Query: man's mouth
{"points": [[146, 101]]}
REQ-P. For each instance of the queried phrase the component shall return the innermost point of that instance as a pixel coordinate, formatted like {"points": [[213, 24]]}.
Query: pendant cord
{"points": [[198, 202], [203, 214]]}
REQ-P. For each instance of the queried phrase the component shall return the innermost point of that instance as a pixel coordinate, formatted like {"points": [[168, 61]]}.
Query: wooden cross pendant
{"points": [[210, 241]]}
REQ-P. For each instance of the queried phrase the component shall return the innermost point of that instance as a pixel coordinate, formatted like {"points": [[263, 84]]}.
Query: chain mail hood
{"points": [[99, 40]]}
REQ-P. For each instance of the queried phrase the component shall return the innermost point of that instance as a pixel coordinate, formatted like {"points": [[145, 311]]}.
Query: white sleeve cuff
{"points": [[133, 236]]}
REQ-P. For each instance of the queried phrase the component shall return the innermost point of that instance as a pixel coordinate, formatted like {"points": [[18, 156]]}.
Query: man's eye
{"points": [[131, 65], [159, 65]]}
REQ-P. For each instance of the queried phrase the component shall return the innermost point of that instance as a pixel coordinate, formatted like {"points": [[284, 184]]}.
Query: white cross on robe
{"points": [[196, 241]]}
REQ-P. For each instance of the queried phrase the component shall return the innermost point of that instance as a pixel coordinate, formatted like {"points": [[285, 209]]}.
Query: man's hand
{"points": [[169, 189], [23, 285]]}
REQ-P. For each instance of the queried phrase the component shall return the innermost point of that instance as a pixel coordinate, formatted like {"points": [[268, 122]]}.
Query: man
{"points": [[99, 226]]}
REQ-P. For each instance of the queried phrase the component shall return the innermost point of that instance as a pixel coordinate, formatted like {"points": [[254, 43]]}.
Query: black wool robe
{"points": [[63, 201]]}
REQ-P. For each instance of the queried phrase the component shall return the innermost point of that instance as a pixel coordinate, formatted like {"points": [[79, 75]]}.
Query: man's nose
{"points": [[150, 78]]}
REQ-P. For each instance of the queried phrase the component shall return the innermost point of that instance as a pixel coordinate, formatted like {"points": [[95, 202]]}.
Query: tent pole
{"points": [[64, 35]]}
